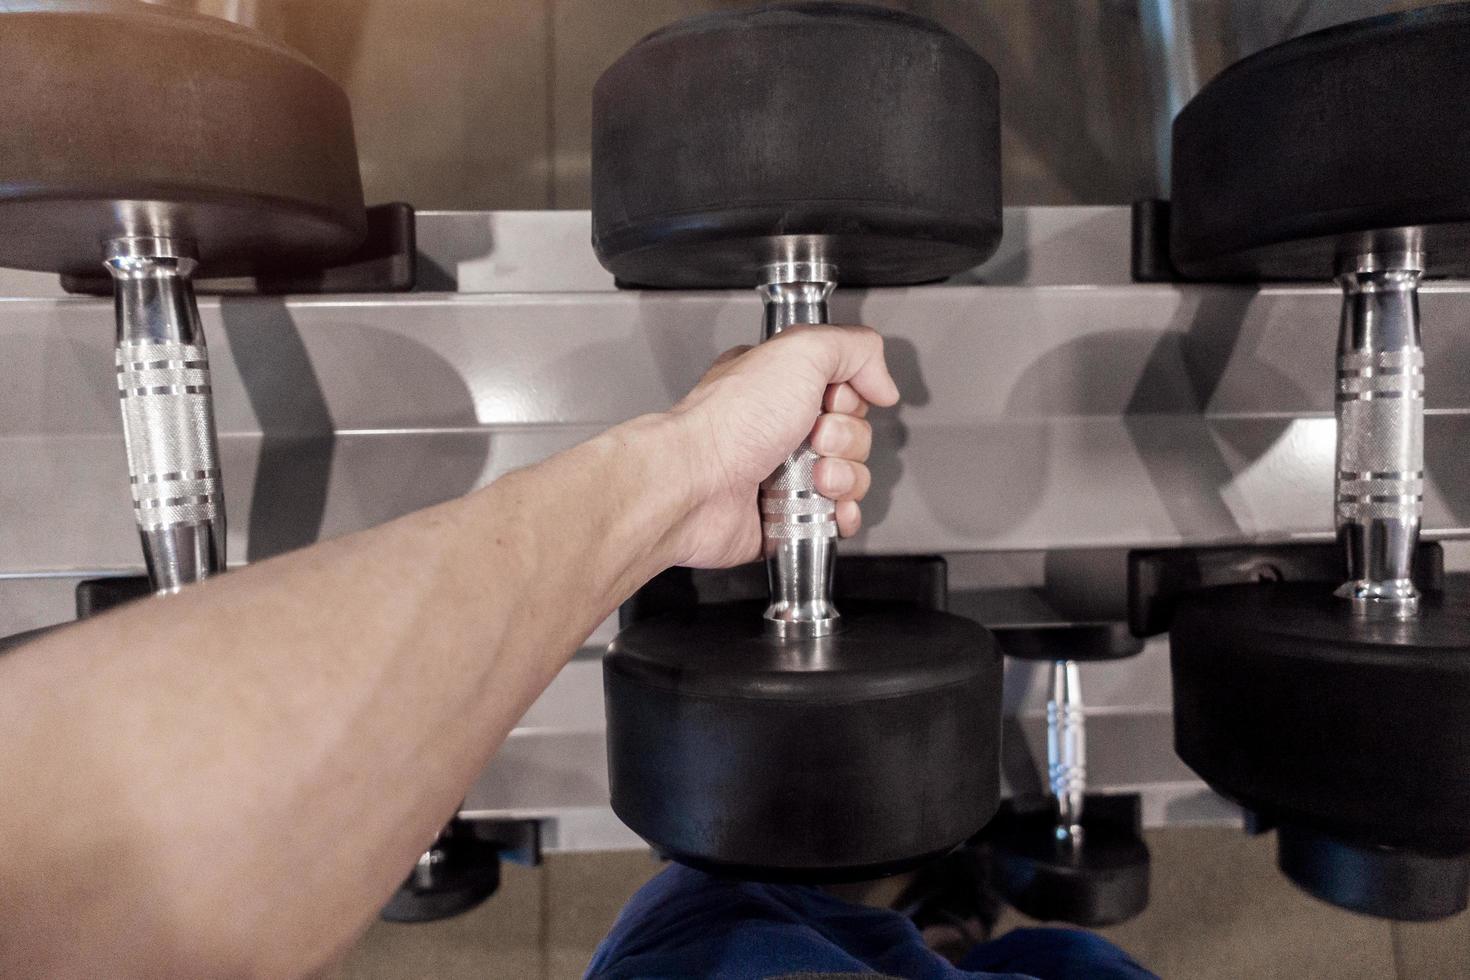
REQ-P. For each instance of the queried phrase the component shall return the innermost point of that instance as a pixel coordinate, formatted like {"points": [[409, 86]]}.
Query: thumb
{"points": [[846, 354]]}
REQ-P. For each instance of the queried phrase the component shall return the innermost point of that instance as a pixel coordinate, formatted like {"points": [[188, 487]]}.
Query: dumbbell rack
{"points": [[1057, 408]]}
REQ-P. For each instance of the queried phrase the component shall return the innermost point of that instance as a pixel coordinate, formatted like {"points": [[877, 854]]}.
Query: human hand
{"points": [[756, 405]]}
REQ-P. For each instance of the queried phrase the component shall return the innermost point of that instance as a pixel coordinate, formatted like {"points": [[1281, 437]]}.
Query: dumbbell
{"points": [[789, 148], [1078, 857], [1338, 713], [457, 873], [153, 142]]}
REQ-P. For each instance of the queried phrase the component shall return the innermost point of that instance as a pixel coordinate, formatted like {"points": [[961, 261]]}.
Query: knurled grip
{"points": [[1380, 405], [168, 425], [798, 524], [791, 507], [1067, 749]]}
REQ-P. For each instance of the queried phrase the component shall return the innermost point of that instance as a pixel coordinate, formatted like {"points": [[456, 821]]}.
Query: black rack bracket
{"points": [[1157, 577]]}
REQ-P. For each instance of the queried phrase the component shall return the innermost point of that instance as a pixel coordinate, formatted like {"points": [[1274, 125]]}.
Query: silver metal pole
{"points": [[1066, 750], [167, 410], [798, 524], [1168, 41], [1380, 431]]}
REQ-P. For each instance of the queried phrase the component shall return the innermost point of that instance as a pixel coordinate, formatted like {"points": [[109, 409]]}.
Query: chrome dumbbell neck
{"points": [[795, 293], [167, 409], [798, 525], [1066, 750], [1380, 431]]}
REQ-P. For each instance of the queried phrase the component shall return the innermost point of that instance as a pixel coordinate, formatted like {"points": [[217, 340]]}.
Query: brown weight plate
{"points": [[122, 118]]}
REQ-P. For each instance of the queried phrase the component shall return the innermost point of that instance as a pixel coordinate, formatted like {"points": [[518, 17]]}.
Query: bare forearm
{"points": [[266, 753], [231, 780]]}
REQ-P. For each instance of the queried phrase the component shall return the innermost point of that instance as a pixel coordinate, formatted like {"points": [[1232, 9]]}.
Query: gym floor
{"points": [[1219, 910]]}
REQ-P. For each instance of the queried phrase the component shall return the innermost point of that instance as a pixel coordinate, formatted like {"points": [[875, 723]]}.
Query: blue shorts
{"points": [[685, 923]]}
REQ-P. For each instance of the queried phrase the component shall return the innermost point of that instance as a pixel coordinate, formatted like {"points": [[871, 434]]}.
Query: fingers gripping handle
{"points": [[791, 507], [798, 524], [167, 410]]}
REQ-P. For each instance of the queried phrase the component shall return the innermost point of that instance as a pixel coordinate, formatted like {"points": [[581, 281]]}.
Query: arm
{"points": [[232, 780]]}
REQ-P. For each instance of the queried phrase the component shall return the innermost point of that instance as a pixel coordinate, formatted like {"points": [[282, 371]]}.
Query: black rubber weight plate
{"points": [[1302, 151], [852, 756], [127, 118], [1104, 882], [470, 874], [873, 131], [1082, 642], [1286, 702]]}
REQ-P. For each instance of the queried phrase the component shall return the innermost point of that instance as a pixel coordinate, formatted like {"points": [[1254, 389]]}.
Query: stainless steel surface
{"points": [[1168, 44], [163, 385], [798, 524], [1034, 417], [1066, 750], [1054, 415], [1380, 431], [425, 869]]}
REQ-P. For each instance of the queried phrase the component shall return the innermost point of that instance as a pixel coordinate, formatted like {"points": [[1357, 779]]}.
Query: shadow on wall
{"points": [[1160, 382], [294, 470], [61, 435], [412, 436], [890, 434], [1446, 436], [1023, 774], [1009, 266], [1165, 416], [686, 336], [471, 241], [957, 466], [1164, 403]]}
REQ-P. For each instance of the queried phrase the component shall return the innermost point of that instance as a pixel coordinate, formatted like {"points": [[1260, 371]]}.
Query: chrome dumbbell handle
{"points": [[1380, 430], [798, 525], [167, 410], [1066, 749]]}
